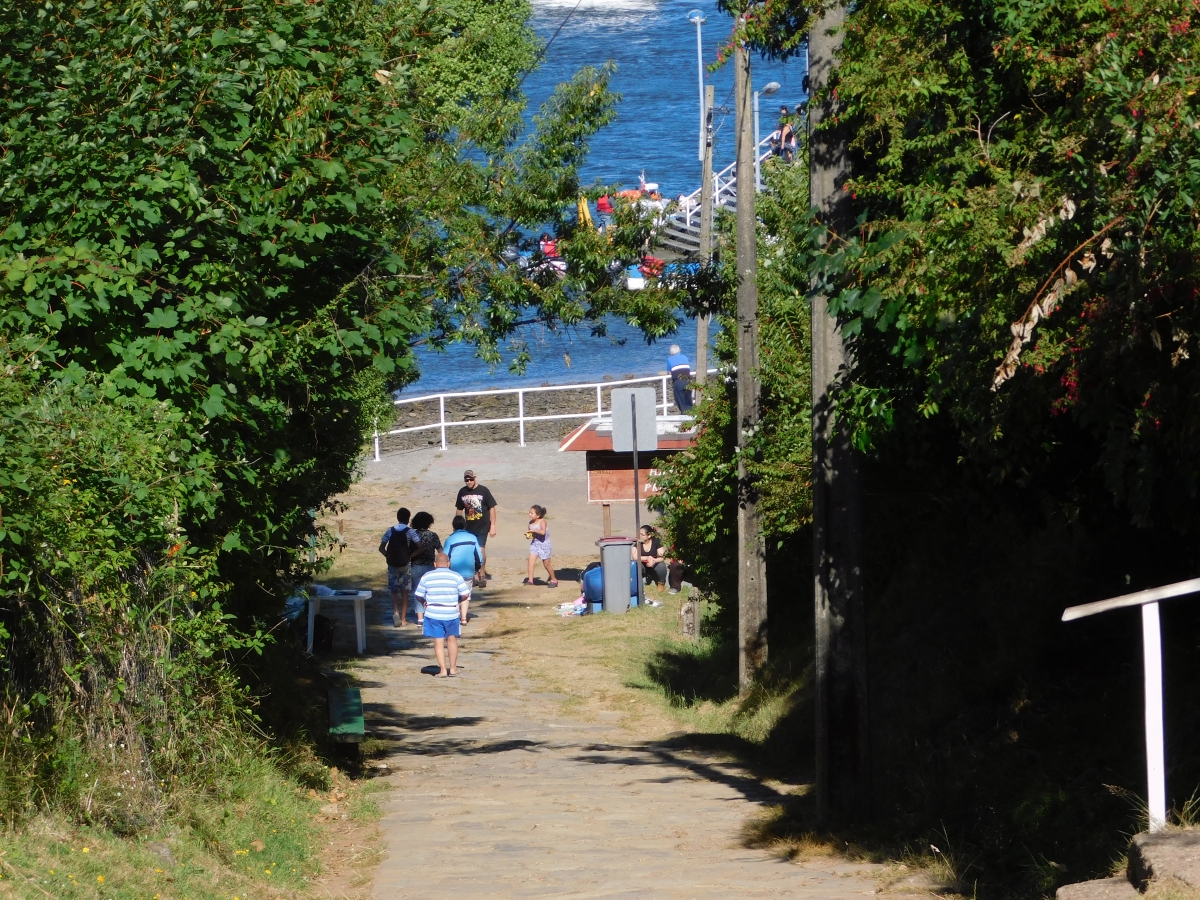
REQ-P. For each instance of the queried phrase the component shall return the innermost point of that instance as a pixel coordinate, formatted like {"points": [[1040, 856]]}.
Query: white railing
{"points": [[724, 189], [520, 419]]}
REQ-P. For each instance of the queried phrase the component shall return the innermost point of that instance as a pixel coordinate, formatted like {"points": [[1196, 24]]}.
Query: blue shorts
{"points": [[442, 628], [399, 578]]}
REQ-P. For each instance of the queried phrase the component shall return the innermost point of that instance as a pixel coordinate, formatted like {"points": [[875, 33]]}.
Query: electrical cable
{"points": [[542, 55]]}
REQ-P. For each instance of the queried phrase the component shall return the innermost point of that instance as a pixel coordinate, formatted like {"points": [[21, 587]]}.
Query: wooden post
{"points": [[637, 502], [752, 567], [706, 217], [843, 762], [689, 619], [607, 519]]}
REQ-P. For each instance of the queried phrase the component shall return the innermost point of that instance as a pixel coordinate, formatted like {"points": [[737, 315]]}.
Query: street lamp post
{"points": [[767, 91], [697, 18]]}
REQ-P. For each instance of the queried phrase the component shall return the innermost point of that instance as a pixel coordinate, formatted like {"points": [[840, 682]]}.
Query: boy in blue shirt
{"points": [[466, 557]]}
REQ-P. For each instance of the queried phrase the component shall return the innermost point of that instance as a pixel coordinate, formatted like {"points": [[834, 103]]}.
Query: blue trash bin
{"points": [[593, 587]]}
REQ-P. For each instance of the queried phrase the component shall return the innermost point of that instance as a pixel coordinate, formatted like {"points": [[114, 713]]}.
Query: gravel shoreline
{"points": [[498, 406]]}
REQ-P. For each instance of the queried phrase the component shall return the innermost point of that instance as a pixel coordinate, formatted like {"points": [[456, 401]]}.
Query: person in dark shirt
{"points": [[681, 377], [397, 545], [652, 554], [424, 553], [479, 509]]}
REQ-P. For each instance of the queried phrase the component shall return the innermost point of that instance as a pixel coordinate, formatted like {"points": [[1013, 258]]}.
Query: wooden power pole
{"points": [[843, 749], [706, 219], [752, 566]]}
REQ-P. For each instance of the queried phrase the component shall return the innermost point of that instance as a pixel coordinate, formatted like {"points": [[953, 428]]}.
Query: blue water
{"points": [[656, 131], [658, 122], [561, 356]]}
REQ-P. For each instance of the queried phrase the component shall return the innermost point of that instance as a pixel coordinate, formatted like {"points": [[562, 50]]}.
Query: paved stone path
{"points": [[497, 795]]}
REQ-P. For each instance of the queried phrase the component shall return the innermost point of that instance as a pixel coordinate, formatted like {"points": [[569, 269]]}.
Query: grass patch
{"points": [[252, 837], [640, 666]]}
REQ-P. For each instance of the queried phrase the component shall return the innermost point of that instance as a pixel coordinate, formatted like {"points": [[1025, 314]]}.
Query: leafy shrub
{"points": [[114, 646]]}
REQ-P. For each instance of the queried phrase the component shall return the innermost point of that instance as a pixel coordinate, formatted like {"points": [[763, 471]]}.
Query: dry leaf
{"points": [[257, 846]]}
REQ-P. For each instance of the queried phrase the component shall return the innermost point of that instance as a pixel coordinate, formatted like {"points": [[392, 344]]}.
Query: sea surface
{"points": [[656, 132]]}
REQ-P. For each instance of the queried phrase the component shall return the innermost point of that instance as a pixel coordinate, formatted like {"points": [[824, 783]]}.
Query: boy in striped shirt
{"points": [[442, 591]]}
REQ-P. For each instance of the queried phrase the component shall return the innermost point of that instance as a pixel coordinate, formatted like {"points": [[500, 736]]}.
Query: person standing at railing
{"points": [[479, 509], [787, 135], [681, 379]]}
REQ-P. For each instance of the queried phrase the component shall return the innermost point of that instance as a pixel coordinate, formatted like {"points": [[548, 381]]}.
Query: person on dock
{"points": [[787, 135], [681, 377], [425, 553], [604, 212], [443, 593], [397, 546], [479, 509], [539, 545]]}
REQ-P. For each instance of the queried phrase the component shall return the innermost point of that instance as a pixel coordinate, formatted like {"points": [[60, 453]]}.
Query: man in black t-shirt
{"points": [[479, 509]]}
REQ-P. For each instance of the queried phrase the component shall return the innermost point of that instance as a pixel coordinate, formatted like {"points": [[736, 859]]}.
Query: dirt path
{"points": [[505, 784], [498, 795]]}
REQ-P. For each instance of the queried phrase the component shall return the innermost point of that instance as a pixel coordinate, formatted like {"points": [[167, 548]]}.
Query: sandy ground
{"points": [[541, 771], [518, 477]]}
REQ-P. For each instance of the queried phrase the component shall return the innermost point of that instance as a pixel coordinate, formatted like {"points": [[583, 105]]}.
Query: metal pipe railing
{"points": [[520, 419], [724, 186]]}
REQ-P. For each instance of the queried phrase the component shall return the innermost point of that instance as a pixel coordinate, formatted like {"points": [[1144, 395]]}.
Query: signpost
{"points": [[1156, 772], [628, 419]]}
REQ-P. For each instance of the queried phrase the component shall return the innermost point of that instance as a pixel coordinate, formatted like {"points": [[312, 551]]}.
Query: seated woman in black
{"points": [[653, 556]]}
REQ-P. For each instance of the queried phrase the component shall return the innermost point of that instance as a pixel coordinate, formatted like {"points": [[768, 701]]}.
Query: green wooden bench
{"points": [[346, 725]]}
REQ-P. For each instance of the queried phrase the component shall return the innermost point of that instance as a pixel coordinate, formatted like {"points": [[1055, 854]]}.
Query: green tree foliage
{"points": [[251, 211], [222, 227], [190, 189], [1025, 260], [114, 648], [698, 500]]}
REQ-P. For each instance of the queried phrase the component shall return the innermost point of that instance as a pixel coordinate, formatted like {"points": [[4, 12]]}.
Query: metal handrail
{"points": [[521, 418], [724, 187]]}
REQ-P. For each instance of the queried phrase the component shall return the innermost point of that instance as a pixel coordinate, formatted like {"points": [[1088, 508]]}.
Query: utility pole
{"points": [[843, 758], [706, 217], [752, 566]]}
